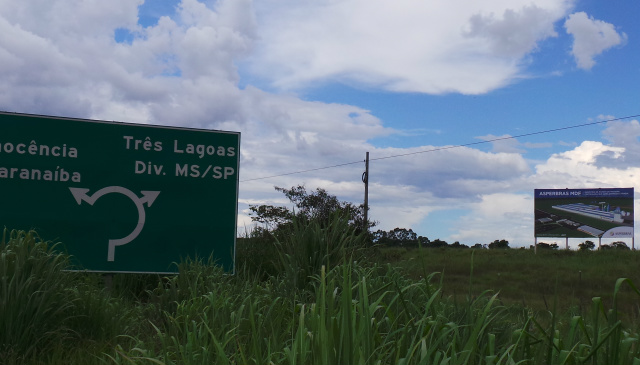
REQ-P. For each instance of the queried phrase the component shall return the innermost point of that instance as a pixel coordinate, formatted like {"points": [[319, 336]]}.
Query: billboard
{"points": [[584, 213], [121, 197]]}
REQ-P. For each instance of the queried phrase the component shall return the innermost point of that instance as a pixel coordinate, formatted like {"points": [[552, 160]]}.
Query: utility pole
{"points": [[365, 180]]}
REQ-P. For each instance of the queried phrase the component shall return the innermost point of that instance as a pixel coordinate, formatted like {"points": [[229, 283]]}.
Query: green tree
{"points": [[317, 205], [586, 246], [437, 243], [499, 244], [396, 237], [271, 216], [263, 250], [547, 246], [619, 245]]}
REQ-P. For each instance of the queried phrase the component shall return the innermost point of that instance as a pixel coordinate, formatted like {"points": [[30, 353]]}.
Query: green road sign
{"points": [[121, 197]]}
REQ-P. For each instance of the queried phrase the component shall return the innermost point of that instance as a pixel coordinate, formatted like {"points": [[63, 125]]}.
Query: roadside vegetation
{"points": [[312, 289]]}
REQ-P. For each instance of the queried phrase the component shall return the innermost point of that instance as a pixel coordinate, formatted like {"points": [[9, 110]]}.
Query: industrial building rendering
{"points": [[600, 211]]}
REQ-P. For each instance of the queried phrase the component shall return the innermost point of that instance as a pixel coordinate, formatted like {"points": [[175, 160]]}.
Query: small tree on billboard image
{"points": [[548, 246], [586, 246], [618, 245]]}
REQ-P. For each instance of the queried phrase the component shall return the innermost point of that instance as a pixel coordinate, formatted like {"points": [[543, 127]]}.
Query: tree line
{"points": [[320, 206], [402, 237]]}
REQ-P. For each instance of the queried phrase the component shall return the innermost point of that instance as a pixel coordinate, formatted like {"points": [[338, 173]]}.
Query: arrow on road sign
{"points": [[148, 197]]}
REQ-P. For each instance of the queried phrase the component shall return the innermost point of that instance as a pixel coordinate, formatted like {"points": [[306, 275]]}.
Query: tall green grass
{"points": [[306, 246], [328, 309], [36, 296], [46, 311], [363, 315]]}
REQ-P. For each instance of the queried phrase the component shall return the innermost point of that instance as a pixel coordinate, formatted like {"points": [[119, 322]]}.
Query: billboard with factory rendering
{"points": [[583, 213]]}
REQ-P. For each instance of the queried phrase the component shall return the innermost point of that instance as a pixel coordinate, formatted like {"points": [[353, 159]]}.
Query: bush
{"points": [[256, 254], [309, 245]]}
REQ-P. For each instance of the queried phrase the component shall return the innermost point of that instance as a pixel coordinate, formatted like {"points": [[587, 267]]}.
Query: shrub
{"points": [[309, 245]]}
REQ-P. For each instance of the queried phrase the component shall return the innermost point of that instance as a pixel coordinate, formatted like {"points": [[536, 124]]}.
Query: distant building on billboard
{"points": [[584, 213]]}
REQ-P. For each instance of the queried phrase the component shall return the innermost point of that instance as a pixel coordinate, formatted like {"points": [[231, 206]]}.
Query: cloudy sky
{"points": [[433, 89]]}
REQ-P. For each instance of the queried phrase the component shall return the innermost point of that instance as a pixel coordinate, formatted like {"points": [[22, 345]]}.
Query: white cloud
{"points": [[581, 168], [72, 66], [591, 38], [446, 171], [436, 47], [509, 214], [509, 211], [626, 135], [515, 33], [182, 71]]}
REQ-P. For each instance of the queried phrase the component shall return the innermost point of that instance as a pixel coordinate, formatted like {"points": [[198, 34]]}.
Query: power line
{"points": [[449, 147], [509, 137], [303, 171]]}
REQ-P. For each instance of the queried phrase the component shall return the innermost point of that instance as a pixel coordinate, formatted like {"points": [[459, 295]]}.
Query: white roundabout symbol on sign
{"points": [[148, 197]]}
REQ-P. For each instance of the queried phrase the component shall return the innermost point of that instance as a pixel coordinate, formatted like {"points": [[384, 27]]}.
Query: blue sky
{"points": [[311, 84]]}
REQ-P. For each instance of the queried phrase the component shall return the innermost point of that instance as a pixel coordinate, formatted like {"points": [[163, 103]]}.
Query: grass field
{"points": [[526, 278], [319, 298]]}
